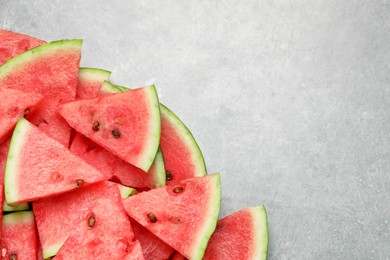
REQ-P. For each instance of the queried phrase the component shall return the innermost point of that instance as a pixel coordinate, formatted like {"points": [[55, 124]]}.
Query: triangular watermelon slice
{"points": [[12, 44], [14, 105], [50, 70], [241, 235], [19, 236], [152, 246], [39, 167], [103, 233], [182, 156], [58, 216], [183, 216], [91, 85], [126, 124]]}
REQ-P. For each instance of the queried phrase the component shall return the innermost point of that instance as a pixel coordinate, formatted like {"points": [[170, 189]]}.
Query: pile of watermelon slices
{"points": [[93, 170]]}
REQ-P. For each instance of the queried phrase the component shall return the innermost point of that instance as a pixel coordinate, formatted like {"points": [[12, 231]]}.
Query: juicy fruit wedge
{"points": [[183, 216], [126, 124], [58, 216], [30, 175], [12, 44], [14, 105], [241, 235], [103, 233], [52, 71], [13, 244], [182, 156], [152, 246]]}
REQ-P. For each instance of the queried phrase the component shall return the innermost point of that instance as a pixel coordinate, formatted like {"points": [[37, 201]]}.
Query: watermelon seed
{"points": [[116, 133], [119, 120], [13, 257], [26, 112], [169, 176], [152, 218], [3, 252], [178, 189], [79, 183], [91, 221], [96, 126]]}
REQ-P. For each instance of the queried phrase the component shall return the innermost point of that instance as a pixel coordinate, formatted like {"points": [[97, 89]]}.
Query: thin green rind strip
{"points": [[158, 170], [188, 138], [36, 52], [11, 169], [153, 143], [51, 251], [94, 74], [18, 218], [17, 207], [211, 218], [260, 232], [126, 191], [108, 87]]}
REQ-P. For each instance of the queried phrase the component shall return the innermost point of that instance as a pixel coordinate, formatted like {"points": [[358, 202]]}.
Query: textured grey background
{"points": [[288, 99]]}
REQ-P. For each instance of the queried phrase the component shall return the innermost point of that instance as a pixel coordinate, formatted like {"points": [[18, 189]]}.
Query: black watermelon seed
{"points": [[96, 126], [13, 257], [79, 183], [91, 221], [152, 218], [169, 176], [116, 133], [178, 189], [26, 112]]}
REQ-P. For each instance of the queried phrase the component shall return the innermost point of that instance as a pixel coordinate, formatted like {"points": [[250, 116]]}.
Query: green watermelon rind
{"points": [[18, 218], [94, 74], [211, 218], [188, 138], [261, 232], [126, 191], [17, 207], [10, 176], [13, 64], [159, 172]]}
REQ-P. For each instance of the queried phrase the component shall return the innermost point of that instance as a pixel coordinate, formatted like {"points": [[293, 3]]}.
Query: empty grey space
{"points": [[289, 100]]}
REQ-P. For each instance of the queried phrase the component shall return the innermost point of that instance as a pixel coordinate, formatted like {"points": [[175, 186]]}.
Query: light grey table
{"points": [[289, 100]]}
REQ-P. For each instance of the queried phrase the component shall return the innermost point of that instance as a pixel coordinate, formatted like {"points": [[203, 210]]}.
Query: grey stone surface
{"points": [[289, 100]]}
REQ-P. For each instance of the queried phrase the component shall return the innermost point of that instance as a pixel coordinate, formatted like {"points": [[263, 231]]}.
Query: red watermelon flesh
{"points": [[50, 70], [19, 236], [241, 235], [103, 233], [12, 44], [178, 256], [38, 166], [117, 169], [152, 246], [183, 216], [126, 124], [58, 216], [3, 158], [182, 156], [14, 105]]}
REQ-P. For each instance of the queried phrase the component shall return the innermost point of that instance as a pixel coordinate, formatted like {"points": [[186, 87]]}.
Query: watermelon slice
{"points": [[50, 70], [58, 216], [241, 235], [14, 105], [126, 124], [19, 237], [103, 234], [152, 246], [12, 44], [30, 175], [182, 156], [183, 216]]}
